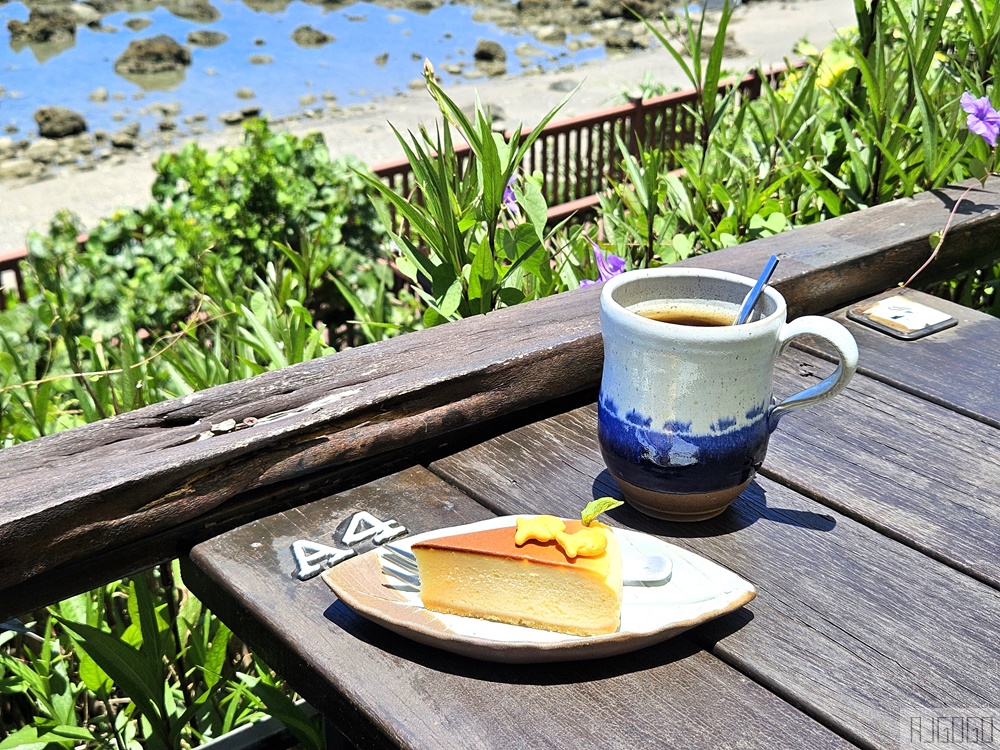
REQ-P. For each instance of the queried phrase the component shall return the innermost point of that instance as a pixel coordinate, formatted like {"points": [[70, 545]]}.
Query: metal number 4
{"points": [[312, 558], [364, 525]]}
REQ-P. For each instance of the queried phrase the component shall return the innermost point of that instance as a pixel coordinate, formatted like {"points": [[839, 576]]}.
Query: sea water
{"points": [[377, 53]]}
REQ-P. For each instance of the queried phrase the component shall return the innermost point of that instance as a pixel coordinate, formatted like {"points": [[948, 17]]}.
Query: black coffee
{"points": [[690, 317]]}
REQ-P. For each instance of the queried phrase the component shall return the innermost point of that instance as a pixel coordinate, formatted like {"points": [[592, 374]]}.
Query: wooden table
{"points": [[872, 535]]}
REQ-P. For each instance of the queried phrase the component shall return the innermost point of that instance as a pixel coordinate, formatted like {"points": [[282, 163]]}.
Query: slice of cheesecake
{"points": [[485, 574]]}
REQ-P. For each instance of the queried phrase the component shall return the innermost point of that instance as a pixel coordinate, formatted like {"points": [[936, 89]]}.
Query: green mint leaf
{"points": [[596, 507]]}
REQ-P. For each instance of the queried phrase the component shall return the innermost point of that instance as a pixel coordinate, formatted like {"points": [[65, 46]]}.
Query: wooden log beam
{"points": [[103, 500]]}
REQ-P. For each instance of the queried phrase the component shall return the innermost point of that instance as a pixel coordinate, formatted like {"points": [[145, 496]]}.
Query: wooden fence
{"points": [[576, 156]]}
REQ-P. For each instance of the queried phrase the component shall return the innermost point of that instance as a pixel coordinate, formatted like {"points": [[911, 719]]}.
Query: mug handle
{"points": [[847, 350]]}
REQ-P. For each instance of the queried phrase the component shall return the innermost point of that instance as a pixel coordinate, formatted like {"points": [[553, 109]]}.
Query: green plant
{"points": [[477, 237], [134, 664]]}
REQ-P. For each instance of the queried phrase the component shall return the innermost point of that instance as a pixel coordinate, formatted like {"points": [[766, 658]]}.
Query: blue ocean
{"points": [[376, 53]]}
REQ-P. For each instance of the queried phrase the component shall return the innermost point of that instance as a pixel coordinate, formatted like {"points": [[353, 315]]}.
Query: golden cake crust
{"points": [[499, 542]]}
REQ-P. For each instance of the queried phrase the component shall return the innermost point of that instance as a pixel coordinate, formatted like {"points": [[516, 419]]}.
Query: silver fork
{"points": [[650, 570]]}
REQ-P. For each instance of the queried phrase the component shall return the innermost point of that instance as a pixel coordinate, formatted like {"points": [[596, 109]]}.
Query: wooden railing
{"points": [[10, 275], [577, 156], [89, 505]]}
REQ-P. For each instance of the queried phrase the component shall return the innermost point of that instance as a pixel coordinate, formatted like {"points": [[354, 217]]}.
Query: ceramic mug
{"points": [[685, 407]]}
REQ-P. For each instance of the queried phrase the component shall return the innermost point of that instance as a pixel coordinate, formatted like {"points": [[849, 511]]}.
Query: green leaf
{"points": [[287, 712], [482, 278], [66, 732], [215, 658], [452, 298], [510, 296], [130, 671], [529, 251], [6, 365], [977, 168], [96, 679], [433, 318], [532, 201], [151, 625], [25, 738], [714, 70], [597, 507]]}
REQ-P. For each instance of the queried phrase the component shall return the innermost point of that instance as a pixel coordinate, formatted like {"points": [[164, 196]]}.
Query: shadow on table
{"points": [[553, 673], [750, 507]]}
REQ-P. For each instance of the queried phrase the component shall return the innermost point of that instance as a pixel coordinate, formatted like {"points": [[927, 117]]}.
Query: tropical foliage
{"points": [[269, 253]]}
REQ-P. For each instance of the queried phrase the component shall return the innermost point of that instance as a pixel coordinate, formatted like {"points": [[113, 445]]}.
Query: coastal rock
{"points": [[550, 34], [235, 118], [206, 38], [44, 25], [59, 122], [158, 54], [127, 138], [527, 49], [489, 51], [307, 36], [629, 9], [138, 24], [85, 15], [17, 168], [104, 7], [624, 39], [45, 151], [200, 11]]}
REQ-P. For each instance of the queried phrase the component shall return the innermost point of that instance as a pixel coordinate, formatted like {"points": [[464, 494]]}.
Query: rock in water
{"points": [[57, 26], [158, 54], [206, 38], [59, 122], [307, 36], [489, 51]]}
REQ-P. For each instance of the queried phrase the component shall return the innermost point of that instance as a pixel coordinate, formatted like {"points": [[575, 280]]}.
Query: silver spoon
{"points": [[750, 301]]}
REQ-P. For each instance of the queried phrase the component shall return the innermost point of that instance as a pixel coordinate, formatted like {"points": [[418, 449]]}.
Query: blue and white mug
{"points": [[685, 408]]}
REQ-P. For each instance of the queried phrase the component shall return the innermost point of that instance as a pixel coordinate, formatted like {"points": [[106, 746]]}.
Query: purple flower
{"points": [[608, 265], [509, 200], [983, 119]]}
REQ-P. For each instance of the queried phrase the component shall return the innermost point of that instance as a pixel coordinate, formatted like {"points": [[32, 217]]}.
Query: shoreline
{"points": [[764, 33]]}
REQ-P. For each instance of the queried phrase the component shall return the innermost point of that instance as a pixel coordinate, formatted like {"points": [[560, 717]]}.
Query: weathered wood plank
{"points": [[101, 486], [383, 690], [851, 625], [115, 484], [958, 367], [912, 469]]}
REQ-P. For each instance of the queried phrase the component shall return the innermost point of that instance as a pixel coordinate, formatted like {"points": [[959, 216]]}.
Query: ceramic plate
{"points": [[698, 590]]}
